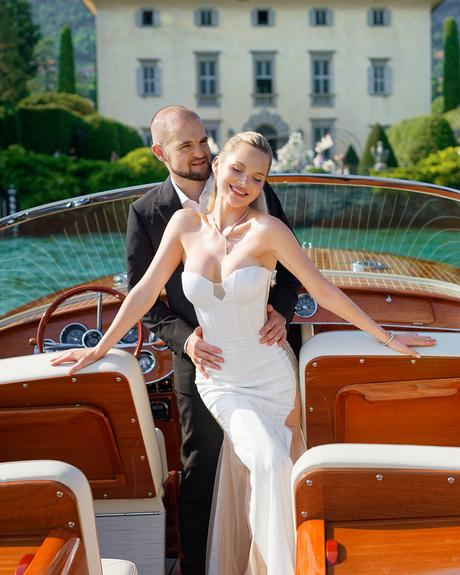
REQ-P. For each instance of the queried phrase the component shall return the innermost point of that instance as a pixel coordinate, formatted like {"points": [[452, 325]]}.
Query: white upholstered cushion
{"points": [[372, 456], [118, 567]]}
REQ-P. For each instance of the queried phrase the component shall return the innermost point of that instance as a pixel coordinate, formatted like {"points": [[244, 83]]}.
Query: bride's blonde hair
{"points": [[258, 142]]}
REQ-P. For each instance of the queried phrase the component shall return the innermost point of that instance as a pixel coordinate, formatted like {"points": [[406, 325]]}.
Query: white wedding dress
{"points": [[253, 397]]}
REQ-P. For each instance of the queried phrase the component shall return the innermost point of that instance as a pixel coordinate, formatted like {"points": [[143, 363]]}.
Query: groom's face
{"points": [[186, 151]]}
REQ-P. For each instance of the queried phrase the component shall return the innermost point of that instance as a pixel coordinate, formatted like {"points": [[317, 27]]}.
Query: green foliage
{"points": [[70, 102], [13, 73], [351, 159], [416, 138], [367, 161], [128, 139], [437, 105], [66, 81], [101, 137], [50, 129], [8, 128], [451, 65], [144, 165], [52, 16], [441, 168], [453, 117]]}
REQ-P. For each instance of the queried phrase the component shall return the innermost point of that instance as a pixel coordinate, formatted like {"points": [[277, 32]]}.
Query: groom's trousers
{"points": [[201, 442]]}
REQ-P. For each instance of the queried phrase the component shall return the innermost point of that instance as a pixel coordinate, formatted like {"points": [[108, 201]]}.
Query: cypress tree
{"points": [[351, 159], [367, 161], [66, 63], [451, 65]]}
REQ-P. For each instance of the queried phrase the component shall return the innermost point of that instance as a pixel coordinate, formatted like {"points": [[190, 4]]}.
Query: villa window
{"points": [[148, 78], [147, 17], [212, 128], [320, 17], [146, 136], [207, 64], [264, 78], [379, 78], [321, 80], [206, 17], [379, 17], [263, 17], [321, 128]]}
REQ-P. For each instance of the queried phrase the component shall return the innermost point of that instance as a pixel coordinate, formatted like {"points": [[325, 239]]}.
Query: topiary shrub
{"points": [[453, 117], [367, 161], [351, 160], [128, 139], [49, 129], [416, 138], [8, 128], [144, 165], [437, 105], [100, 138], [71, 102], [441, 168]]}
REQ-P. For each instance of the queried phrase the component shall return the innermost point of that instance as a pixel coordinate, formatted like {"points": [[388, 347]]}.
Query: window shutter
{"points": [[271, 17], [388, 80], [215, 17], [156, 18], [311, 15], [158, 80], [140, 82], [387, 17], [138, 17], [329, 17], [370, 17], [196, 18], [370, 81], [254, 16]]}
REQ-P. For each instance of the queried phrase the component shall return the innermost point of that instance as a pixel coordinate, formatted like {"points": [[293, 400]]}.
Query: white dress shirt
{"points": [[202, 204]]}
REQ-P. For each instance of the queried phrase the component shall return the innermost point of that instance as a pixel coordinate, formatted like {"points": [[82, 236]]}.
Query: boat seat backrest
{"points": [[98, 420], [355, 390]]}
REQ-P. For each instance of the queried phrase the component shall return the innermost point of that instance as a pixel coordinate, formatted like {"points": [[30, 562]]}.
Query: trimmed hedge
{"points": [[441, 168], [71, 102], [143, 164], [453, 117], [367, 161], [416, 138], [41, 178]]}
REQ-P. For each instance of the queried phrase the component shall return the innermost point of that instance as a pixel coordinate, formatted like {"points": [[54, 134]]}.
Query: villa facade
{"points": [[335, 66]]}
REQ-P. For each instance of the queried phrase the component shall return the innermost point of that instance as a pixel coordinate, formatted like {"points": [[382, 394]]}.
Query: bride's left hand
{"points": [[403, 342]]}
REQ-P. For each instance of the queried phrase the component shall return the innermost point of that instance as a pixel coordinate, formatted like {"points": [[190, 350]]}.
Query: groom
{"points": [[180, 142]]}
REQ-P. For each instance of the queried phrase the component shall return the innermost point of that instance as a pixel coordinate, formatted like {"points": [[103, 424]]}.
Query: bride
{"points": [[229, 256]]}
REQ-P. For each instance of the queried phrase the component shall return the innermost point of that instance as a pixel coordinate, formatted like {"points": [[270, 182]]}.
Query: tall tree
{"points": [[368, 159], [451, 65], [18, 36], [66, 63]]}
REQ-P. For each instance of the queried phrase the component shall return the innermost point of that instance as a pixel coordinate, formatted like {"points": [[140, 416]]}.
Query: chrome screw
{"points": [[142, 457], [451, 480], [379, 477], [150, 494], [133, 420], [74, 380], [105, 495], [361, 360], [315, 364], [311, 409], [309, 482], [118, 379], [304, 513], [412, 361], [59, 494], [71, 524], [25, 385]]}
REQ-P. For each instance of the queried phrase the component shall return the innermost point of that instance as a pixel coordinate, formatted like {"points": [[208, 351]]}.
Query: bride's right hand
{"points": [[81, 356]]}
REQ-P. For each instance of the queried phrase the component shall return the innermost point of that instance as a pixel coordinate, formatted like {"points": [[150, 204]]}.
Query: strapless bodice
{"points": [[232, 313]]}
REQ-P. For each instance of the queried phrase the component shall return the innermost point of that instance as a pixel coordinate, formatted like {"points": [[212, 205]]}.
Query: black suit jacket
{"points": [[173, 323]]}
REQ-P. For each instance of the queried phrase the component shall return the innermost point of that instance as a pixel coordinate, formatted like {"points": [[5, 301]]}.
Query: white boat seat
{"points": [[118, 567], [100, 421], [377, 509], [355, 390], [48, 516]]}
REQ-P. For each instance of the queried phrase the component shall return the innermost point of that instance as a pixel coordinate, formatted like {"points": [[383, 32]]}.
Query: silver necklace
{"points": [[226, 234], [218, 287]]}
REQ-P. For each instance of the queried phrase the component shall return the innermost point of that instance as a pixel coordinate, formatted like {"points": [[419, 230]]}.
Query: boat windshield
{"points": [[359, 227]]}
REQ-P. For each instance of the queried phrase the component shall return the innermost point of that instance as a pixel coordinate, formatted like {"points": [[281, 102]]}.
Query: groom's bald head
{"points": [[168, 120]]}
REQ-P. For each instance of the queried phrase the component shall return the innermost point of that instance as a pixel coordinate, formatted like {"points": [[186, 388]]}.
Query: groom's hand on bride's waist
{"points": [[274, 330], [201, 353]]}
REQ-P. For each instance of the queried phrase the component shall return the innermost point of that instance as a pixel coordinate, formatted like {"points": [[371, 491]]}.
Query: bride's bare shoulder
{"points": [[186, 219], [270, 224]]}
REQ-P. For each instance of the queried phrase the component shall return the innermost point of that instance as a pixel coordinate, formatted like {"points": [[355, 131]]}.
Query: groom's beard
{"points": [[197, 173]]}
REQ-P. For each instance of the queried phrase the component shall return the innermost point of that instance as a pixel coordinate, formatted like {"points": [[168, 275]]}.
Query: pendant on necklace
{"points": [[218, 290]]}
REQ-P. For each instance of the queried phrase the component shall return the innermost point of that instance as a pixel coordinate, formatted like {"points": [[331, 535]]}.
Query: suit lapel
{"points": [[168, 200]]}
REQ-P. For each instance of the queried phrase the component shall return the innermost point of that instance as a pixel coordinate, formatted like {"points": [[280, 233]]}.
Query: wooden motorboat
{"points": [[377, 490]]}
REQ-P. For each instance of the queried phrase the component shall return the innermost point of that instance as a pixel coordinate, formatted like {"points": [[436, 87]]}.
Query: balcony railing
{"points": [[266, 100], [322, 100], [211, 100]]}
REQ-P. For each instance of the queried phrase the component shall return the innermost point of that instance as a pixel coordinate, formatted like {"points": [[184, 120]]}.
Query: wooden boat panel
{"points": [[111, 396], [326, 376], [100, 463], [60, 553], [424, 547], [310, 548], [413, 412], [360, 494]]}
